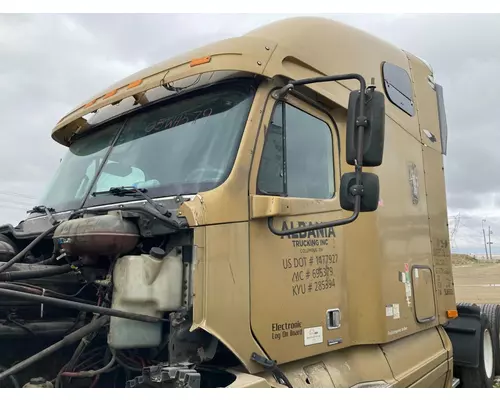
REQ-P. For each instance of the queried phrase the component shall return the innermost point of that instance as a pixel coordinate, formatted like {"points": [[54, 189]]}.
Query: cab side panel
{"points": [[421, 358], [435, 191]]}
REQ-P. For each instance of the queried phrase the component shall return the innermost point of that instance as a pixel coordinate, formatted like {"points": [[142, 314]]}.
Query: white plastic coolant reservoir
{"points": [[145, 284]]}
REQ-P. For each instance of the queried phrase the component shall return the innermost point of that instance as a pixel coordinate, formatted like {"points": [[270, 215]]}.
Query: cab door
{"points": [[297, 300]]}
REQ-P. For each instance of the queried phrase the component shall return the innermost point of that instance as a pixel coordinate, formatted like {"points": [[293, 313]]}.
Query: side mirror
{"points": [[369, 197], [373, 140], [359, 191]]}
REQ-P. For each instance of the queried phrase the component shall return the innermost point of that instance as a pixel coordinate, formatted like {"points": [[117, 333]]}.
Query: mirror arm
{"points": [[361, 122]]}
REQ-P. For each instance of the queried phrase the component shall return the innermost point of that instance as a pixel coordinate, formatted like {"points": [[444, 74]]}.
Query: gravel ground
{"points": [[478, 283]]}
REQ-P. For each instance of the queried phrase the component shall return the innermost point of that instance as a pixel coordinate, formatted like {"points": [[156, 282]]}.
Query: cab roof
{"points": [[286, 47]]}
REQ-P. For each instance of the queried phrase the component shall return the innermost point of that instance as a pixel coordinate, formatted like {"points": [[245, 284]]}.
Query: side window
{"points": [[398, 88], [297, 159]]}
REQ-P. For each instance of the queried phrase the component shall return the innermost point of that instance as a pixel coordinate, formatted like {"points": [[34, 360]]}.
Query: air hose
{"points": [[35, 273], [21, 254], [81, 306], [66, 341]]}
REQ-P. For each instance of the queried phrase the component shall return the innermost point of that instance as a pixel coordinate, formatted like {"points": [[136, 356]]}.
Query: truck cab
{"points": [[280, 196]]}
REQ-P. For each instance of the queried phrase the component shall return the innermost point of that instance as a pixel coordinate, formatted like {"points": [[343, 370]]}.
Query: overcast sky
{"points": [[51, 63]]}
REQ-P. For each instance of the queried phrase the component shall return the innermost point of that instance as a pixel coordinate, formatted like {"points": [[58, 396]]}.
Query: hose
{"points": [[21, 254], [70, 365], [80, 349], [40, 291], [24, 289], [90, 359], [44, 329], [91, 373], [35, 273], [12, 378], [66, 341], [50, 260], [123, 364], [55, 294], [81, 306]]}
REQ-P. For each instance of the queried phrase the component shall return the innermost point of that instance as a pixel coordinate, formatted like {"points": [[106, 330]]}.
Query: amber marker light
{"points": [[110, 94], [200, 61], [134, 84], [89, 103]]}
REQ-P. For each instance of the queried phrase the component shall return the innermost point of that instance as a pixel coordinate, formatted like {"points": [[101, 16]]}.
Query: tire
{"points": [[484, 374], [492, 311]]}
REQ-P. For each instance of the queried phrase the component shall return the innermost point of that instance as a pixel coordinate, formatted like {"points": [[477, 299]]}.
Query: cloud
{"points": [[52, 62]]}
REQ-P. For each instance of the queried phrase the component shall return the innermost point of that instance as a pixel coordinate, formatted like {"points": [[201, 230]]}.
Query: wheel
{"points": [[492, 311], [484, 374]]}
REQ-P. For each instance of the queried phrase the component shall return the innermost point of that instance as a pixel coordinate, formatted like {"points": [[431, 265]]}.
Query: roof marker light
{"points": [[89, 103], [134, 84], [200, 61], [110, 94]]}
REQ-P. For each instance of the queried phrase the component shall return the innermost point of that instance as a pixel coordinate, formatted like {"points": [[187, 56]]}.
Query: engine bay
{"points": [[103, 298]]}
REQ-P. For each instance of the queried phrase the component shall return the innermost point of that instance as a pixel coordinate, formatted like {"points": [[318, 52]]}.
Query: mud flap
{"points": [[465, 333]]}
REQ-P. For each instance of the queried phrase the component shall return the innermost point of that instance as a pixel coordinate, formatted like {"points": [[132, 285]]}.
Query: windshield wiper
{"points": [[44, 210], [133, 191]]}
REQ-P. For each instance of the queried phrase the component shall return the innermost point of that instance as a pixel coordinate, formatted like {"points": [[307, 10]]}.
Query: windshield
{"points": [[183, 146]]}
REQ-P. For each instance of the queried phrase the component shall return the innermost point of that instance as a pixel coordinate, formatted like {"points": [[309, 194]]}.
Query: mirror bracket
{"points": [[362, 121], [357, 190]]}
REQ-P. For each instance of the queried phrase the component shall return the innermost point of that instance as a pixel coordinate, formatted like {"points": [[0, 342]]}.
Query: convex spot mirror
{"points": [[373, 140], [370, 195]]}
